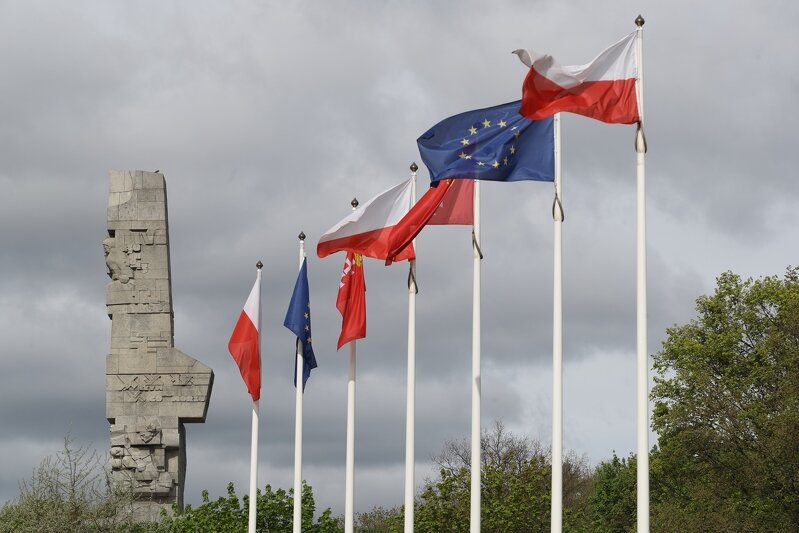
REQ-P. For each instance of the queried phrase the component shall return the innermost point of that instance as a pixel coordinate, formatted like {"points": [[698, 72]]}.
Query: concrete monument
{"points": [[152, 388]]}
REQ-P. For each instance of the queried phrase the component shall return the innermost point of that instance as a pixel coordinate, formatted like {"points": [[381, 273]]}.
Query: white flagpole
{"points": [[556, 519], [474, 523], [349, 497], [298, 421], [254, 440], [410, 402], [641, 306]]}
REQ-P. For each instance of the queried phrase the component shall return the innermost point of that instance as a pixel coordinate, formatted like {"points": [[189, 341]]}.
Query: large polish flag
{"points": [[243, 344], [366, 230], [603, 89]]}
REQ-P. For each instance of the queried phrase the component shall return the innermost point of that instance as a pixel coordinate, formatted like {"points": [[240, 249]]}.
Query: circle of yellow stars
{"points": [[498, 162]]}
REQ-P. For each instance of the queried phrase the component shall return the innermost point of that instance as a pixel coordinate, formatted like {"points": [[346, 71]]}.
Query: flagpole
{"points": [[298, 386], [254, 441], [556, 518], [349, 496], [641, 305], [410, 405], [474, 523]]}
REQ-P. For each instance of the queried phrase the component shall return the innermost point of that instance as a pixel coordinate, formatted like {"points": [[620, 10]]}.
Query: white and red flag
{"points": [[351, 300], [603, 89], [450, 202], [366, 230], [244, 345]]}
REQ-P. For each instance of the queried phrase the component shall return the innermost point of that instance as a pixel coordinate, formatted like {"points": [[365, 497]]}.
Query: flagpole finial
{"points": [[259, 265], [639, 21], [354, 203], [414, 168], [301, 236]]}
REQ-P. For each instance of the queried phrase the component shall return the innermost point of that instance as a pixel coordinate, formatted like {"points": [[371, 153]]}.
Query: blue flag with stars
{"points": [[298, 320], [493, 144]]}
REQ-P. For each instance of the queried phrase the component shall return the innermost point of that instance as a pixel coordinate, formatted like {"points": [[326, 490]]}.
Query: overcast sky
{"points": [[268, 117]]}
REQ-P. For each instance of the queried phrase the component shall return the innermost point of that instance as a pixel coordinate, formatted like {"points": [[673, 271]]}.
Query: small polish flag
{"points": [[244, 345]]}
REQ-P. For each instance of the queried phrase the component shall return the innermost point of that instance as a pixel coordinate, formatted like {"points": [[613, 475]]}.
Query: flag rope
{"points": [[476, 245], [556, 203], [412, 277]]}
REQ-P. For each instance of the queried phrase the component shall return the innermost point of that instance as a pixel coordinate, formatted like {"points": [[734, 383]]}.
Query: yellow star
{"points": [[308, 340], [502, 123], [480, 164], [307, 328], [486, 123], [517, 134], [307, 316], [465, 142], [473, 130], [464, 155], [505, 161], [495, 164]]}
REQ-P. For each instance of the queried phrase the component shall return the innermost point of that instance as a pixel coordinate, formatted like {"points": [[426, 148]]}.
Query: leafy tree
{"points": [[515, 486], [727, 411], [229, 514], [380, 520], [613, 500]]}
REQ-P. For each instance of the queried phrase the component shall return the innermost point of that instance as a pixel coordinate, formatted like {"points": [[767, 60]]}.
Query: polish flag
{"points": [[451, 202], [365, 231], [603, 89], [243, 344], [351, 300]]}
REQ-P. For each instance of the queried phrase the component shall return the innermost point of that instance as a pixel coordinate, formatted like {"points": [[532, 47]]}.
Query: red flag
{"points": [[243, 344], [457, 206], [603, 89], [351, 300], [449, 203]]}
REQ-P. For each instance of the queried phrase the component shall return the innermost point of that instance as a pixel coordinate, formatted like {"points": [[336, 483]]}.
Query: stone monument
{"points": [[152, 388]]}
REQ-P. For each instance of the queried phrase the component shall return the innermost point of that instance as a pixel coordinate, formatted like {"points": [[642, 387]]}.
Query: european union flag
{"points": [[298, 320], [494, 144]]}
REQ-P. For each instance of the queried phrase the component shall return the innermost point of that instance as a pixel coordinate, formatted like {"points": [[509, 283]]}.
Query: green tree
{"points": [[380, 520], [612, 502], [515, 486], [727, 411], [229, 514]]}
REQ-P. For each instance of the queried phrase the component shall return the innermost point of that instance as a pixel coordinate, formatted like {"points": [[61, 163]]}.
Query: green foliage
{"points": [[68, 491], [229, 514], [727, 411], [613, 500], [380, 520], [515, 486]]}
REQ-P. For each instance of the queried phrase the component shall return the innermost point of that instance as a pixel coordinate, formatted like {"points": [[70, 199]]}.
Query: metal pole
{"points": [[641, 305], [298, 421], [556, 519], [254, 440], [476, 386], [349, 497], [410, 403]]}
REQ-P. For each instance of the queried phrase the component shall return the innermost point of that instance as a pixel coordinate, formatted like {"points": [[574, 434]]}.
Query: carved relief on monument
{"points": [[152, 388]]}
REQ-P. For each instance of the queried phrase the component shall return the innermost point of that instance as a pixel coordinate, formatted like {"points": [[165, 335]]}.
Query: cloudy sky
{"points": [[268, 117]]}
